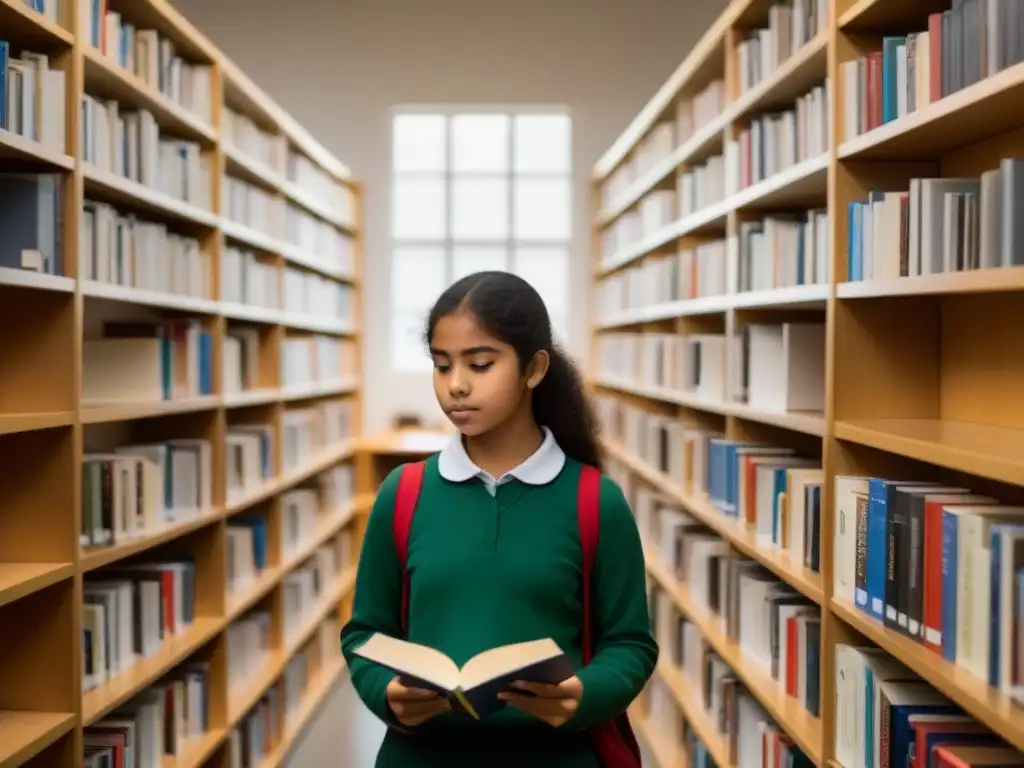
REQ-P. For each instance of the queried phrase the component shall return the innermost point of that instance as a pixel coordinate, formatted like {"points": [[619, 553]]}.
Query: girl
{"points": [[494, 552]]}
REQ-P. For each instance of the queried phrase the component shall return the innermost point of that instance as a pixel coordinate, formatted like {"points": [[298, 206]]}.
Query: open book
{"points": [[473, 689]]}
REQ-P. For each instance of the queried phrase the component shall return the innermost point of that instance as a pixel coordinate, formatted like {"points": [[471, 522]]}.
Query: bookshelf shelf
{"points": [[997, 711], [178, 421], [764, 358], [25, 734]]}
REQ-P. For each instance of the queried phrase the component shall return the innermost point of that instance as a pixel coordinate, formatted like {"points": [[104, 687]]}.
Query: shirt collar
{"points": [[541, 468]]}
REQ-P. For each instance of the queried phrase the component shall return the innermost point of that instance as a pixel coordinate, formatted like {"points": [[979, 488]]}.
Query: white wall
{"points": [[339, 67]]}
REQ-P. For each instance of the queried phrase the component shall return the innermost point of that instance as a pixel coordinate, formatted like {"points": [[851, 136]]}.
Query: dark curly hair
{"points": [[513, 312]]}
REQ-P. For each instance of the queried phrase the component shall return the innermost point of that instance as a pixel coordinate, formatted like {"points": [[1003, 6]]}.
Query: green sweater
{"points": [[487, 571]]}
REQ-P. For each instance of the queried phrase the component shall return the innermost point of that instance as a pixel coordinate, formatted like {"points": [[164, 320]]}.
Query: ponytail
{"points": [[514, 313], [560, 404]]}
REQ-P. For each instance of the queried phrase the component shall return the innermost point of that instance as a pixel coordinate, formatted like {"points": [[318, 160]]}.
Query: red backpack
{"points": [[614, 741]]}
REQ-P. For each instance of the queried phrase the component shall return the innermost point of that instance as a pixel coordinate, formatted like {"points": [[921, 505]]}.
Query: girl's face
{"points": [[477, 378]]}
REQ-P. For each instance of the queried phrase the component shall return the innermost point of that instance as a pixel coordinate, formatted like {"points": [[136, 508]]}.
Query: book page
{"points": [[506, 658], [412, 659]]}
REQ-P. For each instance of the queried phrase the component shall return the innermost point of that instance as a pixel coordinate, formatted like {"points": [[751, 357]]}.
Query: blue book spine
{"points": [[949, 576], [878, 546], [995, 545], [869, 717], [890, 105], [851, 234], [779, 487], [731, 479], [206, 363], [4, 54]]}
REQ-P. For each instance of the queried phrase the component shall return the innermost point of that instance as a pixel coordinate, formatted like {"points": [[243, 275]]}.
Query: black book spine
{"points": [[893, 558], [915, 569]]}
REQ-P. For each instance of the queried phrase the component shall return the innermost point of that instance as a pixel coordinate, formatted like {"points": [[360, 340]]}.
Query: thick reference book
{"points": [[473, 689]]}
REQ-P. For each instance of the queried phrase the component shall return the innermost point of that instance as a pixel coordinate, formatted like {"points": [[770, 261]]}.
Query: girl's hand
{"points": [[554, 704], [414, 706]]}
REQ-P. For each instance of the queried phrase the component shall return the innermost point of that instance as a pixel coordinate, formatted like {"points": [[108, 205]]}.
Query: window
{"points": [[474, 191]]}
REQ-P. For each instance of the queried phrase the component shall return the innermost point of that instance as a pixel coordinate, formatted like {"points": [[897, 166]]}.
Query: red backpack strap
{"points": [[588, 510], [409, 484], [614, 741]]}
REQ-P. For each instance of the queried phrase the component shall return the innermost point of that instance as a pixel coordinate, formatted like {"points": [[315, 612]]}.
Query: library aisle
{"points": [[179, 407], [807, 260]]}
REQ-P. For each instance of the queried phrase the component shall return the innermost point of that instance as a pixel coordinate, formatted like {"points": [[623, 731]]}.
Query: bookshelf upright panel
{"points": [[180, 270]]}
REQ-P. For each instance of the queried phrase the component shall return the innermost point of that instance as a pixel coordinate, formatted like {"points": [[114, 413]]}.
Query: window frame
{"points": [[448, 244]]}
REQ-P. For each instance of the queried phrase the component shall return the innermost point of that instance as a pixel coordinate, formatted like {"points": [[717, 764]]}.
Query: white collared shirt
{"points": [[541, 468]]}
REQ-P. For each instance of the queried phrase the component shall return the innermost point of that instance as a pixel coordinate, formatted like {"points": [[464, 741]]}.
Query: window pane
{"points": [[418, 209], [543, 143], [417, 276], [419, 142], [542, 209], [547, 270], [480, 143], [408, 352], [467, 259], [417, 279], [480, 209]]}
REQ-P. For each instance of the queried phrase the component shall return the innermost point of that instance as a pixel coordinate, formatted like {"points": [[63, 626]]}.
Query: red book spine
{"points": [[792, 657], [932, 583], [167, 579], [935, 55], [884, 716], [876, 89], [750, 477]]}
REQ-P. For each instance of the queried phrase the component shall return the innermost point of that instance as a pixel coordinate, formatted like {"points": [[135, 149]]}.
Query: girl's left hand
{"points": [[554, 704]]}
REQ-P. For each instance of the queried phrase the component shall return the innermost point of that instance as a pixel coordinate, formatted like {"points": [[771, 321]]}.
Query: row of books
{"points": [[308, 432], [246, 279], [316, 359], [690, 273], [790, 27], [163, 721], [891, 717], [319, 185], [304, 587], [137, 490], [309, 293], [147, 361], [691, 115], [151, 57], [939, 564], [962, 45], [32, 98], [783, 251], [242, 133], [249, 648], [770, 367], [246, 549], [129, 611], [122, 248], [250, 458], [127, 142], [938, 225], [779, 140], [770, 144], [257, 732], [318, 238], [252, 206]]}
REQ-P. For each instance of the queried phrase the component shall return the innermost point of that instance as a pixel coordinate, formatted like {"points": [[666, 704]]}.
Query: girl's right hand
{"points": [[414, 706]]}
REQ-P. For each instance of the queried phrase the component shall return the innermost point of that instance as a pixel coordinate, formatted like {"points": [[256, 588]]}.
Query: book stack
{"points": [[251, 206], [257, 732], [149, 56], [246, 551], [308, 360], [938, 226], [121, 248], [130, 612], [31, 210], [783, 252], [248, 649], [240, 353], [148, 361], [171, 166], [245, 279], [32, 97], [242, 133], [250, 459], [160, 723], [137, 491], [300, 518], [790, 27]]}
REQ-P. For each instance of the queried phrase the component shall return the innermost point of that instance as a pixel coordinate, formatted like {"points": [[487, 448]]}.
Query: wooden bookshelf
{"points": [[920, 375], [47, 426]]}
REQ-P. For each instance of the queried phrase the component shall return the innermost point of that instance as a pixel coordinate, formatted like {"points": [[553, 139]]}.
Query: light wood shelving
{"points": [[46, 426], [922, 375]]}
